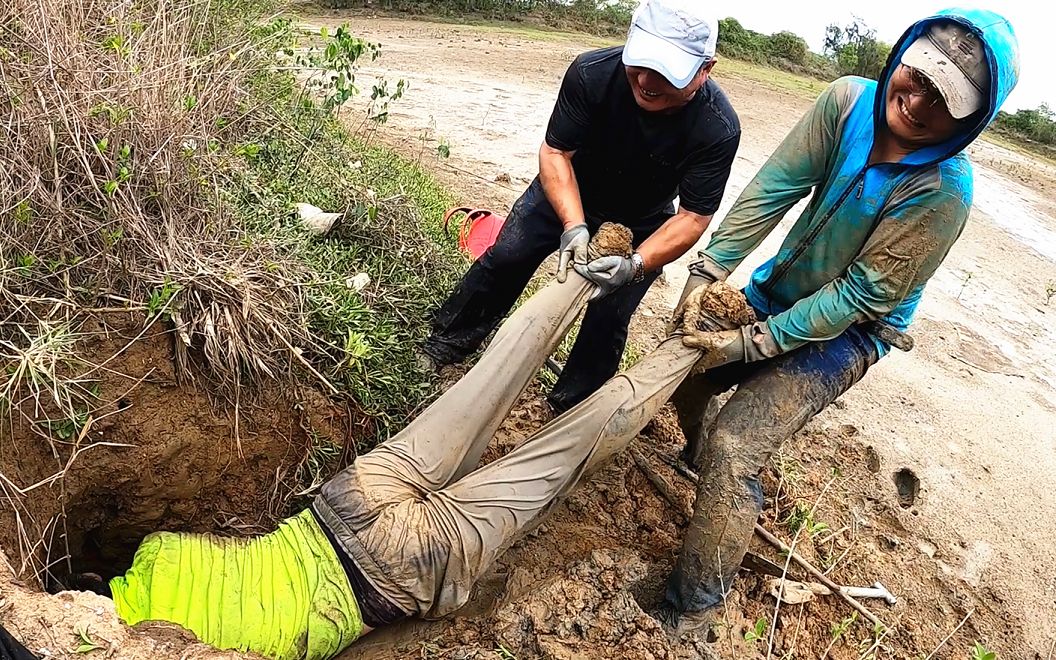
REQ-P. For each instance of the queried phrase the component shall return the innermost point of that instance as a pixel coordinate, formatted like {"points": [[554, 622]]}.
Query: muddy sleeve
{"points": [[793, 170], [901, 255], [570, 120], [704, 182]]}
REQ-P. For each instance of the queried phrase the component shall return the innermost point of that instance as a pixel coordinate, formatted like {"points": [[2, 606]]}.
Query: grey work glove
{"points": [[574, 243], [702, 272], [608, 273], [748, 343]]}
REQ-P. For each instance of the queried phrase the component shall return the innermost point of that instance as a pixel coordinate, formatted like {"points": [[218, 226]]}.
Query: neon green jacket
{"points": [[284, 595]]}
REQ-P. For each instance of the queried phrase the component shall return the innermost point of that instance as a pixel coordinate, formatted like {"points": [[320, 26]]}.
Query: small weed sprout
{"points": [[980, 652], [758, 632]]}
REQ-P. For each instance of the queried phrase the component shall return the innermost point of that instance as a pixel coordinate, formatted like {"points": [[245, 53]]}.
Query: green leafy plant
{"points": [[160, 298], [117, 44], [1050, 291], [802, 517], [758, 632], [250, 151], [504, 653], [115, 114], [68, 429], [24, 213], [112, 236], [87, 644], [337, 62], [24, 263], [380, 97], [980, 652], [443, 149]]}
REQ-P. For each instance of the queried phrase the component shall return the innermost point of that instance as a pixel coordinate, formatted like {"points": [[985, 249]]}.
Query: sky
{"points": [[1033, 21]]}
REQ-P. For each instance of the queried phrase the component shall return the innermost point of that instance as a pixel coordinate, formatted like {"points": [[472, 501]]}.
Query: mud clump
{"points": [[717, 306], [611, 240]]}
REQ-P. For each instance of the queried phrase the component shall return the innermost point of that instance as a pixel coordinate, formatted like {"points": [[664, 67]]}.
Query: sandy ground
{"points": [[972, 411]]}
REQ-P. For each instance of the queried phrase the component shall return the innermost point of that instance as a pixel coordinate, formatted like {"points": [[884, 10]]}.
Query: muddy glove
{"points": [[574, 242], [611, 273], [702, 272], [748, 343], [284, 595]]}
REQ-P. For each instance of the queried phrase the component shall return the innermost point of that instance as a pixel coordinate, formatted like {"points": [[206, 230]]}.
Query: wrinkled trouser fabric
{"points": [[422, 526], [731, 444], [494, 282]]}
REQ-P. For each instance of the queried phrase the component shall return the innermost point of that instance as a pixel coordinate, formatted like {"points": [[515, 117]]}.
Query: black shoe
{"points": [[88, 582]]}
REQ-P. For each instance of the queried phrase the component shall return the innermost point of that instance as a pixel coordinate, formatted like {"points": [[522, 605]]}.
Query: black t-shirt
{"points": [[630, 164]]}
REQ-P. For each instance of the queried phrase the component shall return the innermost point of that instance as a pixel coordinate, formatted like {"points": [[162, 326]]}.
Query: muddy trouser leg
{"points": [[434, 548], [596, 354], [445, 441], [698, 408], [769, 405], [493, 283]]}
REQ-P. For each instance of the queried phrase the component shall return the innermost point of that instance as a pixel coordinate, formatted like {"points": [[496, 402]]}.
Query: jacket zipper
{"points": [[782, 269]]}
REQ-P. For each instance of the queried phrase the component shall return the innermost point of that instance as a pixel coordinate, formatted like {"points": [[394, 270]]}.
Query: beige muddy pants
{"points": [[422, 524]]}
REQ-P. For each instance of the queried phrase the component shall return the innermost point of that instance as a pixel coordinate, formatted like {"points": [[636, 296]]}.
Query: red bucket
{"points": [[477, 231]]}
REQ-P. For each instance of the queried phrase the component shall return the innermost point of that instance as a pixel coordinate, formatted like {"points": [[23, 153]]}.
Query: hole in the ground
{"points": [[168, 463], [907, 484], [97, 553]]}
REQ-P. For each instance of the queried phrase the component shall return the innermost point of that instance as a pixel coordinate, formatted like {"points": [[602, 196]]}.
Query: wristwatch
{"points": [[639, 267]]}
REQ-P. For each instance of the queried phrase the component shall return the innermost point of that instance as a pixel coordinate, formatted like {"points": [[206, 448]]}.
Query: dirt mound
{"points": [[52, 627]]}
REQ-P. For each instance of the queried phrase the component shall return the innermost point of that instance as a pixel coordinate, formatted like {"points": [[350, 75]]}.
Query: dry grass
{"points": [[112, 111]]}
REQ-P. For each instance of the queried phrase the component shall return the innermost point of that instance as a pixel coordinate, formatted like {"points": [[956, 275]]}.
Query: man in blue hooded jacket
{"points": [[891, 189]]}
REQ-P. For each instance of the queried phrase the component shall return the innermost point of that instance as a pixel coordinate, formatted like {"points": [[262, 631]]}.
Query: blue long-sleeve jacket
{"points": [[872, 235]]}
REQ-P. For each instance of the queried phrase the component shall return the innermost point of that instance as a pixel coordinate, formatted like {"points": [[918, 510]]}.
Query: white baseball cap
{"points": [[954, 59], [672, 37]]}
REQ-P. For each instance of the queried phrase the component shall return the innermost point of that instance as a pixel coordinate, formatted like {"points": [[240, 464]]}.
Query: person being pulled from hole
{"points": [[633, 126], [409, 528], [891, 190]]}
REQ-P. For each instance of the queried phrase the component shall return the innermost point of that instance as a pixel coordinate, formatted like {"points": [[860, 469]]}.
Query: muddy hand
{"points": [[702, 272], [692, 318], [573, 250]]}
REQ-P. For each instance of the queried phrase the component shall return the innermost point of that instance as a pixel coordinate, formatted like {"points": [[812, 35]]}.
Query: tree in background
{"points": [[855, 49], [788, 46], [1038, 125]]}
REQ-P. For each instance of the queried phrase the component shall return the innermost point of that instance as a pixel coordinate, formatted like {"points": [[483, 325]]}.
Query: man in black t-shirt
{"points": [[633, 127]]}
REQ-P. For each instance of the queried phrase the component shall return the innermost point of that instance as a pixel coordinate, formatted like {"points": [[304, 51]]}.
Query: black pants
{"points": [[495, 281]]}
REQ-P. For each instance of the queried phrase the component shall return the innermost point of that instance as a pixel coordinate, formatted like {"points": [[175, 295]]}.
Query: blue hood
{"points": [[1002, 54]]}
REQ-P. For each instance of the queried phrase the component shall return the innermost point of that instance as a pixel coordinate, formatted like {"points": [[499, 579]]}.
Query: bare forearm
{"points": [[560, 186], [673, 239]]}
